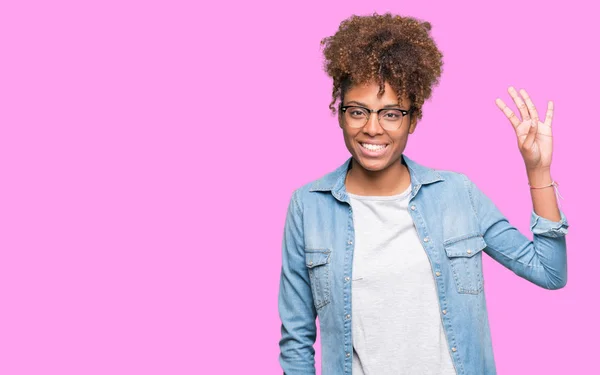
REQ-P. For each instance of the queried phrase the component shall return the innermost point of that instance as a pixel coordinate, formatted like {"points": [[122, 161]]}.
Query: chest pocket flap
{"points": [[464, 247], [316, 258]]}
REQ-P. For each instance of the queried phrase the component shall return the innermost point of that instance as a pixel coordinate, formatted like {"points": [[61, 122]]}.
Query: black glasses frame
{"points": [[404, 112]]}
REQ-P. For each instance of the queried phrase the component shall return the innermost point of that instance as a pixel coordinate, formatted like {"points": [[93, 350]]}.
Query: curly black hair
{"points": [[383, 48]]}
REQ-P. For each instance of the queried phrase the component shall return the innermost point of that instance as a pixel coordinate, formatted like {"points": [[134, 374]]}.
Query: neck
{"points": [[390, 181]]}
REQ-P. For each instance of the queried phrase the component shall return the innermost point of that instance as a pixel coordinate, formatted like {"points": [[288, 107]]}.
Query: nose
{"points": [[372, 127]]}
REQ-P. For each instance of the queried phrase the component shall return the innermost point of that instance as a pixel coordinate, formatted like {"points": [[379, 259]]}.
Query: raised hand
{"points": [[533, 136]]}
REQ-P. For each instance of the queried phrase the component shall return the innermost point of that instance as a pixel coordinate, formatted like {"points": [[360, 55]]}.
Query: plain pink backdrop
{"points": [[148, 151]]}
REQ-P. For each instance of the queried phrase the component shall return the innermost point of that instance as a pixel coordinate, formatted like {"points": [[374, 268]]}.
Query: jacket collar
{"points": [[335, 181]]}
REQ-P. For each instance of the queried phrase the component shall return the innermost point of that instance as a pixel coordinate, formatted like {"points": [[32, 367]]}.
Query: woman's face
{"points": [[372, 134]]}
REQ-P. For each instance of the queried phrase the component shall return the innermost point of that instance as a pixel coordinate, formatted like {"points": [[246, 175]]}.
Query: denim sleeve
{"points": [[548, 228], [296, 307], [542, 261]]}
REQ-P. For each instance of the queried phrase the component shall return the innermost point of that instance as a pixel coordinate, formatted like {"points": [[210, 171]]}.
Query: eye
{"points": [[392, 114], [357, 112]]}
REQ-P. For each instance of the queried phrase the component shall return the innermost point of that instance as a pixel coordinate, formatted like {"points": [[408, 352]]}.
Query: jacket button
{"points": [[444, 312], [348, 316], [347, 354], [347, 278], [438, 273], [469, 251], [426, 239], [349, 242], [413, 207], [453, 349]]}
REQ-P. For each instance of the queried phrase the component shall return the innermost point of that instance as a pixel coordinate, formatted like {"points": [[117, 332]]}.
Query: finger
{"points": [[520, 104], [530, 138], [549, 113], [530, 106], [514, 120]]}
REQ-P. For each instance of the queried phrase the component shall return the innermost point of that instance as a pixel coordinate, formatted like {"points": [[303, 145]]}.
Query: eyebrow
{"points": [[366, 106]]}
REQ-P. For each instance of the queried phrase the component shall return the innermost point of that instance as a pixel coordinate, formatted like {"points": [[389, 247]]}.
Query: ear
{"points": [[413, 124]]}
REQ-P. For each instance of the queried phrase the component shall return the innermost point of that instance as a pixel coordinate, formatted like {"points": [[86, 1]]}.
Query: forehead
{"points": [[367, 93]]}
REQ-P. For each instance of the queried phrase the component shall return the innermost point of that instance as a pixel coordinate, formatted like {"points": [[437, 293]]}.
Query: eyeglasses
{"points": [[389, 118]]}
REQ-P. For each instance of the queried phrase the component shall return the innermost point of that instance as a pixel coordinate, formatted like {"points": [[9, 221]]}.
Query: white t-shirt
{"points": [[396, 318]]}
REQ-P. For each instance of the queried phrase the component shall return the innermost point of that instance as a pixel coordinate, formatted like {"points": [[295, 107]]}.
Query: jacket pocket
{"points": [[317, 262], [464, 256]]}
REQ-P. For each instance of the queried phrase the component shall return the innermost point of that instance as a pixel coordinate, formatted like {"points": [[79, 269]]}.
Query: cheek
{"points": [[400, 141], [347, 140], [347, 137]]}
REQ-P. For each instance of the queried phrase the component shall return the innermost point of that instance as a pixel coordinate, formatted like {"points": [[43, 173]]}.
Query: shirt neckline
{"points": [[399, 196]]}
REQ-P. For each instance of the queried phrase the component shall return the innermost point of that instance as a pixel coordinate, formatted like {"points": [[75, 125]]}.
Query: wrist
{"points": [[539, 177]]}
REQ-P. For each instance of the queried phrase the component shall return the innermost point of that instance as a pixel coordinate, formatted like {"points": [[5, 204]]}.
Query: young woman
{"points": [[387, 252]]}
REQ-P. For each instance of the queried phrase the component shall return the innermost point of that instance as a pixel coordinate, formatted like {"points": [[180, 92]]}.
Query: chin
{"points": [[372, 165]]}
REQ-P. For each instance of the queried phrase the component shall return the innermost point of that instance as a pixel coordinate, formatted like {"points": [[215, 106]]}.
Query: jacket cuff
{"points": [[548, 228]]}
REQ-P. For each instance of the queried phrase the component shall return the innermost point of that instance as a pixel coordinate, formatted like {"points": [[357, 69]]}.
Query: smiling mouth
{"points": [[372, 147]]}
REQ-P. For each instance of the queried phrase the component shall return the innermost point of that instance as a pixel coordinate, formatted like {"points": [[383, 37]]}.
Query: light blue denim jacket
{"points": [[455, 220]]}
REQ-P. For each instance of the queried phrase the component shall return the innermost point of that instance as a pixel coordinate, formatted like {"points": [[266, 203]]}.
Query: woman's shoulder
{"points": [[453, 176], [315, 189], [425, 174]]}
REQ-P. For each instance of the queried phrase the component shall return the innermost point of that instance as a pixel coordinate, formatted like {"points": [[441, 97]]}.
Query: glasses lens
{"points": [[390, 119], [356, 117]]}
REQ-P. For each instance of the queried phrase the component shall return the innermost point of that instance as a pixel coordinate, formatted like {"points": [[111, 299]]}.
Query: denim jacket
{"points": [[456, 222]]}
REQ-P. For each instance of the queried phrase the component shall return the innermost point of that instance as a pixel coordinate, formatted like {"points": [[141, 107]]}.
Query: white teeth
{"points": [[373, 147]]}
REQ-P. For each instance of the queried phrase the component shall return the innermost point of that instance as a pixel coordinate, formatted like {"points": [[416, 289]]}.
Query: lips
{"points": [[373, 146], [372, 150]]}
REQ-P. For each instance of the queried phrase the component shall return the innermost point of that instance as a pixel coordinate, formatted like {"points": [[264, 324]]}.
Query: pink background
{"points": [[148, 153]]}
